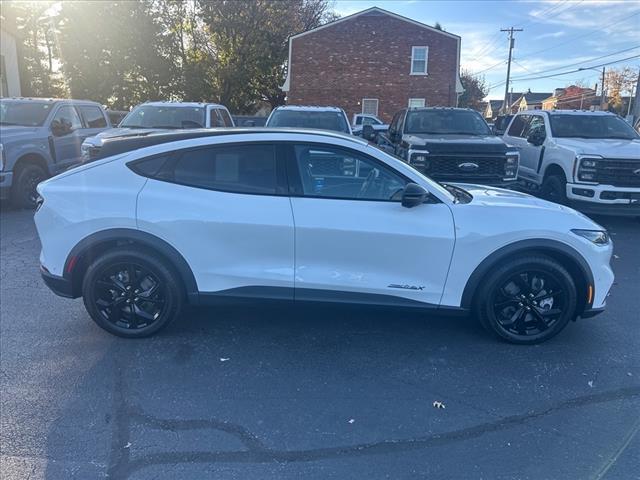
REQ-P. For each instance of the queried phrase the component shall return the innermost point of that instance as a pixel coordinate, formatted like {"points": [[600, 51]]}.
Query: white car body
{"points": [[310, 110], [308, 248], [564, 154]]}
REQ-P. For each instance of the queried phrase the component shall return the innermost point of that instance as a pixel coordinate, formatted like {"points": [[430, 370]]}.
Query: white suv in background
{"points": [[311, 216], [590, 160], [302, 116]]}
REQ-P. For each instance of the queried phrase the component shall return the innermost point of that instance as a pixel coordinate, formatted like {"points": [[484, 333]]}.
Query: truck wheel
{"points": [[23, 192], [554, 189]]}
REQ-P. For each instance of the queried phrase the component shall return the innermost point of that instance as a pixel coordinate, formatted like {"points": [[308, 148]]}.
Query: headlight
{"points": [[599, 237], [587, 168], [419, 159], [511, 165]]}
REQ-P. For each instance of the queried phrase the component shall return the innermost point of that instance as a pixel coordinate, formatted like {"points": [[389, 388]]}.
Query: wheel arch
{"points": [[567, 256], [90, 247], [555, 169], [35, 158]]}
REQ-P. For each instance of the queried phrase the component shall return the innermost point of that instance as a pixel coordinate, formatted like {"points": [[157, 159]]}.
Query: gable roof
{"points": [[375, 10], [536, 97], [459, 88]]}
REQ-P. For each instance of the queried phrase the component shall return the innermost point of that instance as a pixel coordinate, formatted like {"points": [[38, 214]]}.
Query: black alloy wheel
{"points": [[528, 300], [131, 293], [554, 189]]}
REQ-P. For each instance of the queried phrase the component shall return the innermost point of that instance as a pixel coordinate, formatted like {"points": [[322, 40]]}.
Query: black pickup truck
{"points": [[451, 145]]}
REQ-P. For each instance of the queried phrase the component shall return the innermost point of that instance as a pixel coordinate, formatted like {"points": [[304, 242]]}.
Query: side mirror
{"points": [[413, 195], [368, 133], [536, 137]]}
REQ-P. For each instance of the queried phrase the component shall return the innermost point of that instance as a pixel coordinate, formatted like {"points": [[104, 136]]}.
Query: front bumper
{"points": [[59, 285], [6, 180], [592, 312], [604, 199]]}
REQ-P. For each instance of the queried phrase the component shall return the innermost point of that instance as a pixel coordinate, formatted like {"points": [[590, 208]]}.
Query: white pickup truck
{"points": [[589, 160]]}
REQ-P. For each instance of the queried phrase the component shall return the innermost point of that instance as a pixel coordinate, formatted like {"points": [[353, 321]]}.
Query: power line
{"points": [[576, 63], [501, 62], [572, 39]]}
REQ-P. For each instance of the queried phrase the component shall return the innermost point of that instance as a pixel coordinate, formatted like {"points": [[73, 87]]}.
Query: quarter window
{"points": [[233, 168], [370, 106], [93, 116], [419, 58], [339, 173]]}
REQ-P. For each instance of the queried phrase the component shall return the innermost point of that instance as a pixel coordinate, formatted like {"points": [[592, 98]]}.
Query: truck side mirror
{"points": [[368, 133]]}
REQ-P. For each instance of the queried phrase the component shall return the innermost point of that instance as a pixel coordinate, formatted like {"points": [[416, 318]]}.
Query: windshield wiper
{"points": [[134, 126]]}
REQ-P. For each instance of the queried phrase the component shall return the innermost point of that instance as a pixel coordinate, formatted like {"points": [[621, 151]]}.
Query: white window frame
{"points": [[426, 60], [420, 100], [377, 106]]}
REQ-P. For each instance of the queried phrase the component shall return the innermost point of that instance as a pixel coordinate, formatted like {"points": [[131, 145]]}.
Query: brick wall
{"points": [[369, 56]]}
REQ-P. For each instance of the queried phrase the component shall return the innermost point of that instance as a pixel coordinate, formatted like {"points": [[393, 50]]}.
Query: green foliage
{"points": [[475, 89], [126, 52]]}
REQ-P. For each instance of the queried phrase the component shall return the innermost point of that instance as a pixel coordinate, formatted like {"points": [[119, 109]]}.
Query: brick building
{"points": [[374, 62]]}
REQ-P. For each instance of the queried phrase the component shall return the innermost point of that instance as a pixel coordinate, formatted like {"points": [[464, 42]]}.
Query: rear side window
{"points": [[226, 118], [93, 116], [236, 168], [518, 126]]}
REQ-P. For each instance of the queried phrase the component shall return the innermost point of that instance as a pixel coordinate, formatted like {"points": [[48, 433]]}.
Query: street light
{"points": [[601, 87]]}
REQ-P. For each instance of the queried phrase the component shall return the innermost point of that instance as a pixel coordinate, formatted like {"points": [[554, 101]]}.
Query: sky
{"points": [[557, 36]]}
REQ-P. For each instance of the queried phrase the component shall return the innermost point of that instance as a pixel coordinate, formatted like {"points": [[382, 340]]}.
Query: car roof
{"points": [[569, 112], [116, 145], [430, 109], [305, 108], [182, 104]]}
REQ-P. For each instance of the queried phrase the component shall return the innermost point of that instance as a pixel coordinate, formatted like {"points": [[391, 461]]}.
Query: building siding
{"points": [[369, 56], [8, 51]]}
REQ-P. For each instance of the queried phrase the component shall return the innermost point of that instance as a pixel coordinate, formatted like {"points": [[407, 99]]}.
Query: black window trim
{"points": [[287, 174], [174, 155]]}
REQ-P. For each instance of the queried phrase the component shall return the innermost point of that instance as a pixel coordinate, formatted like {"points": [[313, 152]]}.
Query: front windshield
{"points": [[591, 126], [309, 119], [25, 113], [446, 122], [149, 116]]}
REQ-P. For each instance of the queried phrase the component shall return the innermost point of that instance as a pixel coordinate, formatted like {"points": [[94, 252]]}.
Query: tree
{"points": [[619, 82], [475, 89], [35, 48]]}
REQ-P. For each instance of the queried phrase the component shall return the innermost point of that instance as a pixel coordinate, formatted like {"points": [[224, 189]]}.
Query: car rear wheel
{"points": [[23, 192], [554, 189], [528, 300], [131, 293]]}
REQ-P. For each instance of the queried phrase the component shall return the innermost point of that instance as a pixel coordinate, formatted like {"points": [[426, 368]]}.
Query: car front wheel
{"points": [[23, 192], [131, 293], [527, 300]]}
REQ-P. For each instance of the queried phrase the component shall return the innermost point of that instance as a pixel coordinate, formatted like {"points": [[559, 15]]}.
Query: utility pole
{"points": [[506, 107], [602, 99], [636, 101]]}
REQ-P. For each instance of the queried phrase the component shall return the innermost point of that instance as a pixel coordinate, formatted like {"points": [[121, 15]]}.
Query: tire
{"points": [[549, 301], [23, 192], [554, 189], [131, 293]]}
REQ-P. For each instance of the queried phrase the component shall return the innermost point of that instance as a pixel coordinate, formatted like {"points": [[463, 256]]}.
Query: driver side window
{"points": [[65, 121], [333, 172]]}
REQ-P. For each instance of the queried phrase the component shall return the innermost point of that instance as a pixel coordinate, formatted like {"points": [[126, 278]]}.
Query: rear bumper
{"points": [[6, 180], [58, 285]]}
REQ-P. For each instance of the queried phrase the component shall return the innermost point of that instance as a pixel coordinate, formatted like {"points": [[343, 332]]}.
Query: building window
{"points": [[370, 106], [416, 102], [419, 58]]}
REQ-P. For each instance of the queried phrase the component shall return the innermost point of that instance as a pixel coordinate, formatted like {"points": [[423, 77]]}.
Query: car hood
{"points": [[456, 143], [9, 133], [612, 147], [126, 132]]}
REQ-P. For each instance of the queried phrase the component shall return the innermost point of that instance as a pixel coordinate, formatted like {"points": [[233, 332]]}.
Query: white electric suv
{"points": [[310, 216]]}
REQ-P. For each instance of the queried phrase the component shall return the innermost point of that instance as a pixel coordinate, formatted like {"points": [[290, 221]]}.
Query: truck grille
{"points": [[618, 172], [462, 168]]}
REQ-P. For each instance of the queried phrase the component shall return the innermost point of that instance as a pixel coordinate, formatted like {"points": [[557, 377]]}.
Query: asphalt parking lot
{"points": [[281, 392]]}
